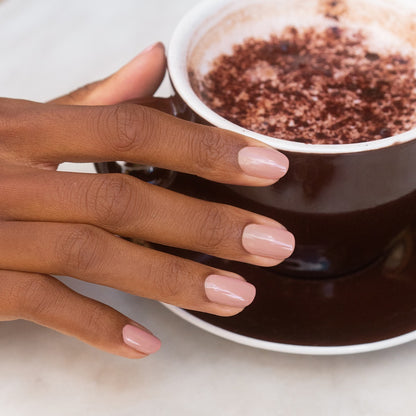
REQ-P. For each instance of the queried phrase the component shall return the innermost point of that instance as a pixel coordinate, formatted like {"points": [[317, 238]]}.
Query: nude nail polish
{"points": [[140, 340], [265, 241], [263, 162], [229, 291]]}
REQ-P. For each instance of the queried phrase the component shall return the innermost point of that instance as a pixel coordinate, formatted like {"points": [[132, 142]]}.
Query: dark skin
{"points": [[68, 223]]}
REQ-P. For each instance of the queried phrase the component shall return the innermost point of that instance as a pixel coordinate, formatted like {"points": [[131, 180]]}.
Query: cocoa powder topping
{"points": [[313, 86]]}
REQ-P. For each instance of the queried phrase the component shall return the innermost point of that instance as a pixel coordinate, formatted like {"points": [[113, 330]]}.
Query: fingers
{"points": [[139, 78], [48, 302], [52, 134], [126, 206], [91, 254]]}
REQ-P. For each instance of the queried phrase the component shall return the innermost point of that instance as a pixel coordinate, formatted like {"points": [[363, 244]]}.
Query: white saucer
{"points": [[288, 348]]}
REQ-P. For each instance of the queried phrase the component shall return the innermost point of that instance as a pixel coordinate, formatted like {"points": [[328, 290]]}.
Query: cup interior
{"points": [[213, 27]]}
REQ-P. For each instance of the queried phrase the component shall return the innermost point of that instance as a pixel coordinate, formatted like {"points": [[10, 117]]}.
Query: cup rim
{"points": [[177, 66]]}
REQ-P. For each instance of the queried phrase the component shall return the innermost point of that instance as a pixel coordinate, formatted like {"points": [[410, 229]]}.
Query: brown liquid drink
{"points": [[318, 86]]}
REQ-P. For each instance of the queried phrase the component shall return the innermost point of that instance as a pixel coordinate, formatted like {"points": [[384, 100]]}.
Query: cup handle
{"points": [[173, 105]]}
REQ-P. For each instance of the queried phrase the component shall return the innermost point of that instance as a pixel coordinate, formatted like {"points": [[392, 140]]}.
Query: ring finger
{"points": [[96, 256]]}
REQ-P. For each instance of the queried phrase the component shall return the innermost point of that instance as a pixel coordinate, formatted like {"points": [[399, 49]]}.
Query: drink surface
{"points": [[319, 86]]}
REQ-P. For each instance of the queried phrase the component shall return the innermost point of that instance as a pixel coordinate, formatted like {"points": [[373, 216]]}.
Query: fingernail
{"points": [[263, 162], [273, 242], [229, 291], [140, 340], [151, 47]]}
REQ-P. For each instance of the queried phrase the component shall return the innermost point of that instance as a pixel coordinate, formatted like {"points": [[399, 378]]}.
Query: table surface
{"points": [[50, 47]]}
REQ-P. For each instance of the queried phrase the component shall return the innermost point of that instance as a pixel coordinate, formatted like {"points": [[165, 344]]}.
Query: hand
{"points": [[68, 223]]}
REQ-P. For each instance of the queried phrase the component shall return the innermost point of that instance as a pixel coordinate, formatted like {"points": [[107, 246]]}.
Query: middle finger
{"points": [[129, 207]]}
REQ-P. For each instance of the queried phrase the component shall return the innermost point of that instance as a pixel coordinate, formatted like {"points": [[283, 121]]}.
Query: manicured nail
{"points": [[263, 162], [273, 242], [229, 291], [140, 340]]}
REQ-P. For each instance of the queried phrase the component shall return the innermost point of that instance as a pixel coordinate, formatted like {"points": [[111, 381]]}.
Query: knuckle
{"points": [[15, 116], [132, 125], [208, 149], [79, 250], [11, 113], [110, 199], [94, 318], [33, 296], [169, 281], [218, 230]]}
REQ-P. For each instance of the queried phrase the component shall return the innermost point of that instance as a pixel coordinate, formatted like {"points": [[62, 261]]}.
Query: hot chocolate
{"points": [[324, 86]]}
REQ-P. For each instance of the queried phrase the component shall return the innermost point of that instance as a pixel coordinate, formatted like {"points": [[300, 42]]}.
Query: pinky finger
{"points": [[45, 300]]}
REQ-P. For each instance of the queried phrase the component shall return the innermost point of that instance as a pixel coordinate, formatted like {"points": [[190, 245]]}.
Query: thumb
{"points": [[139, 78]]}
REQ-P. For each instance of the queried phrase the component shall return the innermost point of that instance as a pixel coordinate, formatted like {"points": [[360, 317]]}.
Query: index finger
{"points": [[51, 133]]}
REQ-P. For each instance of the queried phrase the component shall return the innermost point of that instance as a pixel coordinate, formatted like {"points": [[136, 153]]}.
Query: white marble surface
{"points": [[48, 47]]}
